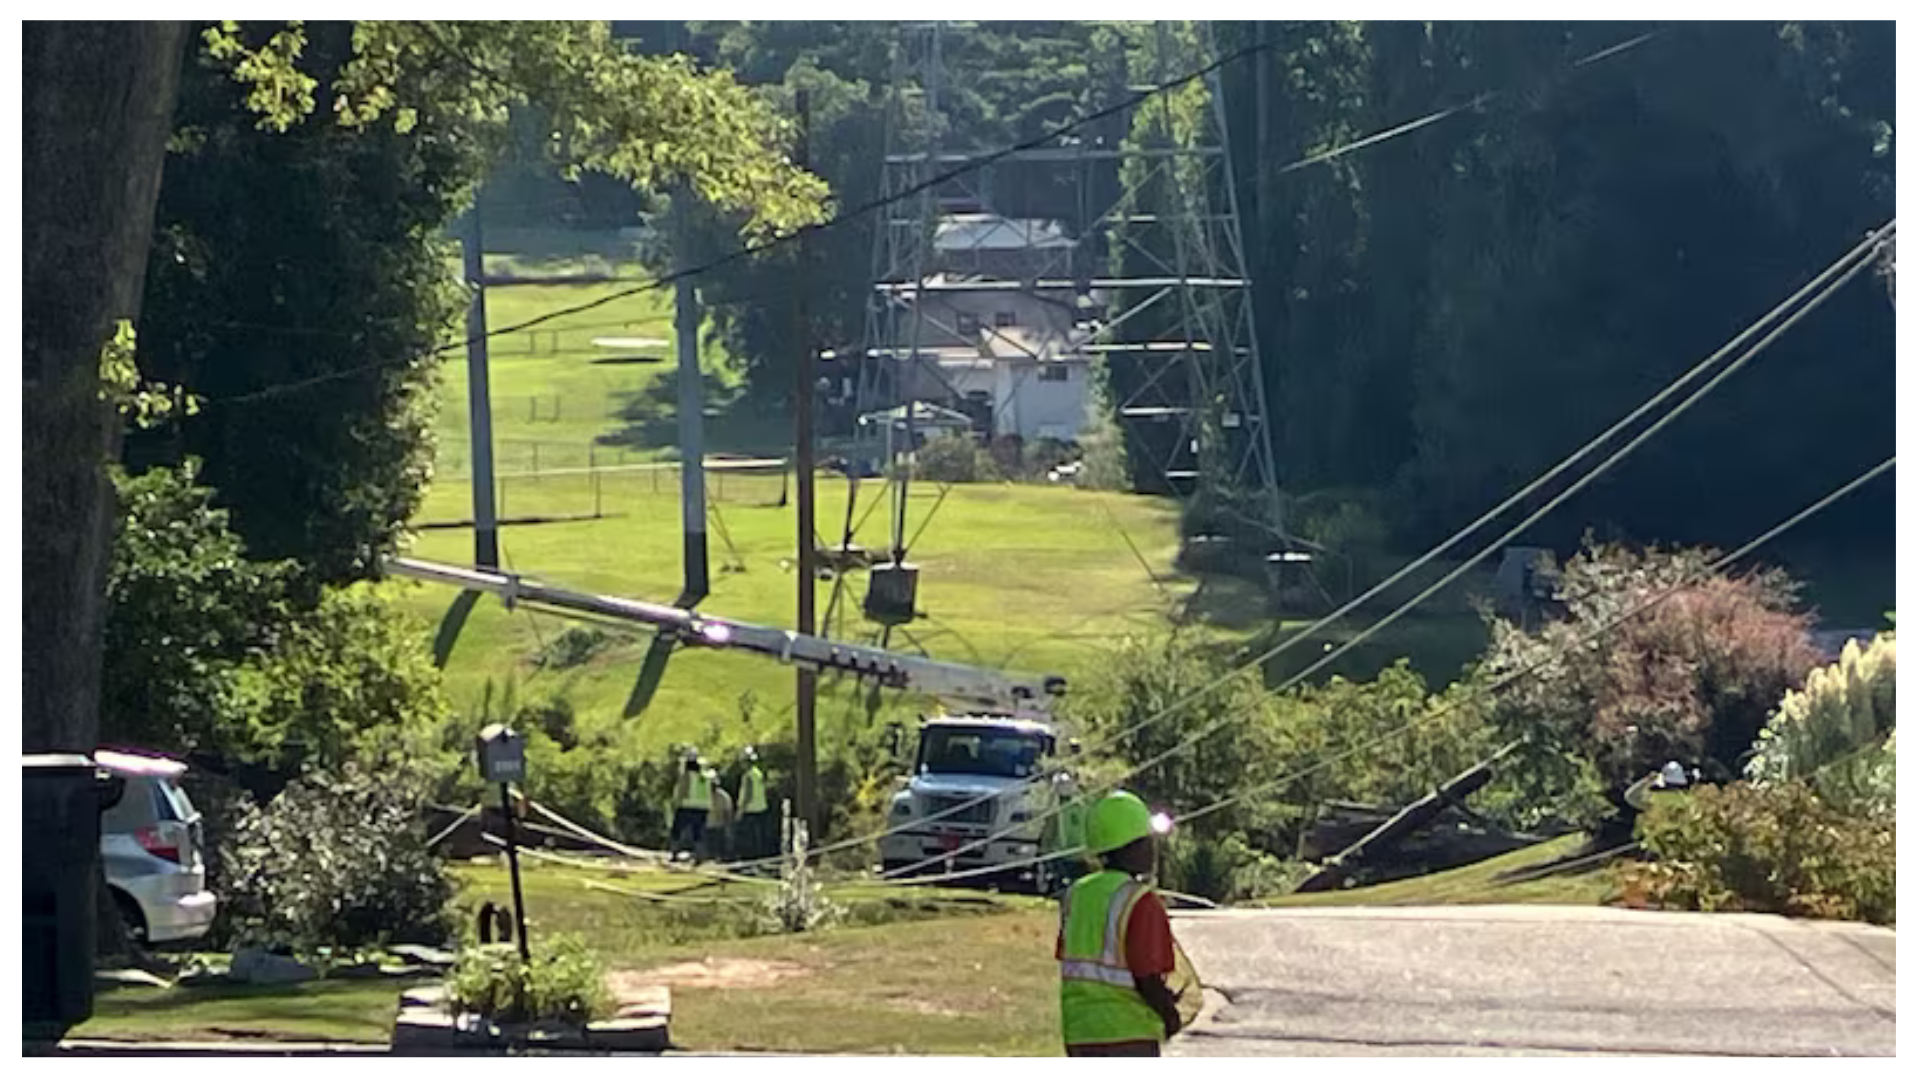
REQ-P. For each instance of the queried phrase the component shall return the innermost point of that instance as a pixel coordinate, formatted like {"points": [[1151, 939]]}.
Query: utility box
{"points": [[62, 797], [892, 591], [502, 754]]}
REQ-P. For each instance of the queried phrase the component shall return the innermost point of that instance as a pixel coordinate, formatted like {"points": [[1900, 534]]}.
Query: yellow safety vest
{"points": [[699, 795], [753, 791], [1098, 1002]]}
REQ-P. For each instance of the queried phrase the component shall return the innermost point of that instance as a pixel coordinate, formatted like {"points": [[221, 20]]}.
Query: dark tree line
{"points": [[1448, 312]]}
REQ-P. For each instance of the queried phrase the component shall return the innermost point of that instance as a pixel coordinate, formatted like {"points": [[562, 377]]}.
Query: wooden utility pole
{"points": [[805, 679], [692, 406], [486, 526]]}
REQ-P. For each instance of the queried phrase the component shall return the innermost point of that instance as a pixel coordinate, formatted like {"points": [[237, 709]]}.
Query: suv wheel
{"points": [[132, 916]]}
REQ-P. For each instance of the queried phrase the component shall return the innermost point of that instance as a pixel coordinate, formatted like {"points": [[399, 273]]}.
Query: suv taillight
{"points": [[157, 843]]}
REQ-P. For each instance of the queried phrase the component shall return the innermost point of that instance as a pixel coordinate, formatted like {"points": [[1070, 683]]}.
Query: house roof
{"points": [[991, 232], [924, 412]]}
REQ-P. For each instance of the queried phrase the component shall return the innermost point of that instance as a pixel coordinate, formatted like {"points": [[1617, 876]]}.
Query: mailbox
{"points": [[502, 754]]}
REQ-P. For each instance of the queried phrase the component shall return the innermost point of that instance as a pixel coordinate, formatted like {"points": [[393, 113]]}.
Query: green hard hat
{"points": [[1117, 820]]}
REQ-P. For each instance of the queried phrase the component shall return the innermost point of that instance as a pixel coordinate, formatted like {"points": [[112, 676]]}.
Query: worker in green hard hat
{"points": [[1116, 947]]}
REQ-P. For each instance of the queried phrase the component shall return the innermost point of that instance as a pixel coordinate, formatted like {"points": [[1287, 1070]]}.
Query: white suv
{"points": [[152, 843]]}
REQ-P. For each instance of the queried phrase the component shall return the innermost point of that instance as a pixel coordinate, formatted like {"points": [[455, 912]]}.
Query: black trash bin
{"points": [[63, 795]]}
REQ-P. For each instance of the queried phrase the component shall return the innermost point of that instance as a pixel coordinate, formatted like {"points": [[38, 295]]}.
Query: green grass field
{"points": [[1022, 577], [1028, 578]]}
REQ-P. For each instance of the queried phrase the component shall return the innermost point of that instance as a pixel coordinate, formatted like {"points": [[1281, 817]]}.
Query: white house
{"points": [[990, 345]]}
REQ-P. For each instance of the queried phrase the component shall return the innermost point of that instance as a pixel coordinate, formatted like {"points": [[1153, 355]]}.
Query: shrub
{"points": [[564, 982], [352, 680], [955, 459], [1103, 446], [337, 859], [1779, 848], [1819, 733], [1691, 678], [575, 646], [1223, 868]]}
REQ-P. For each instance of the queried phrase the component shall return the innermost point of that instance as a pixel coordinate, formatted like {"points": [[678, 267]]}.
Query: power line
{"points": [[746, 251], [971, 165], [1541, 664], [1717, 566], [1859, 257], [1572, 489]]}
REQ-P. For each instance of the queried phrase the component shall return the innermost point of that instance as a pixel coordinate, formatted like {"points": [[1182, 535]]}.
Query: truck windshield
{"points": [[981, 751]]}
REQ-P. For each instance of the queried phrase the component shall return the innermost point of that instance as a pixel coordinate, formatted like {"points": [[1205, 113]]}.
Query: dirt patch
{"points": [[717, 973]]}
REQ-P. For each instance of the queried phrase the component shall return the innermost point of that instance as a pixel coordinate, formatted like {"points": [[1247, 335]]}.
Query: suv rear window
{"points": [[171, 802]]}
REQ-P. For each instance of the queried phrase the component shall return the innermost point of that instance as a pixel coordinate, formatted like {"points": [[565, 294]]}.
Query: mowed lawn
{"points": [[1023, 578], [1030, 578], [971, 984]]}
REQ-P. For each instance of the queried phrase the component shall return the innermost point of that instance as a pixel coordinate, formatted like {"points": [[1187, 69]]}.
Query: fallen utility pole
{"points": [[983, 689], [1403, 824]]}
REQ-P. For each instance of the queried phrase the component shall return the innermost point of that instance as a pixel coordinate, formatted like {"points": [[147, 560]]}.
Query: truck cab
{"points": [[973, 775]]}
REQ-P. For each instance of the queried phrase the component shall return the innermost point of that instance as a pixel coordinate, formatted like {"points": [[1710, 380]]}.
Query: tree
{"points": [[1658, 659], [186, 609], [298, 281], [96, 103]]}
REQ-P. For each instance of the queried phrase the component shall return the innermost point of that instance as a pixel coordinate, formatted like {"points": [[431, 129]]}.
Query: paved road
{"points": [[1512, 980]]}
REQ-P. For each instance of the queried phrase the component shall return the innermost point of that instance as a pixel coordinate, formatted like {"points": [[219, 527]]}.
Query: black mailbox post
{"points": [[62, 797], [501, 753]]}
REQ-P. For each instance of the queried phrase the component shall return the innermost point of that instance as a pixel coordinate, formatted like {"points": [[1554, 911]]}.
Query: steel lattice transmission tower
{"points": [[1150, 257]]}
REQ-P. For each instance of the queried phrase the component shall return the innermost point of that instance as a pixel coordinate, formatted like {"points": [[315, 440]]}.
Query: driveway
{"points": [[1533, 980]]}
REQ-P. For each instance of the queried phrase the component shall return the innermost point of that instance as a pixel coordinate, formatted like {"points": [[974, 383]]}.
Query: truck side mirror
{"points": [[893, 740]]}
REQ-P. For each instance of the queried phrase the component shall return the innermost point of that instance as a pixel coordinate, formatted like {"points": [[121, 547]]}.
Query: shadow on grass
{"points": [[735, 423]]}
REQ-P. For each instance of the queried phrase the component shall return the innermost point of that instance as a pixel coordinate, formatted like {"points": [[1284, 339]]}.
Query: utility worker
{"points": [[692, 801], [1116, 947], [756, 820], [719, 820]]}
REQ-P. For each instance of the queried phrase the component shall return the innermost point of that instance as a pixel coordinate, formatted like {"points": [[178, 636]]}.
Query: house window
{"points": [[1003, 319], [967, 323], [1053, 373]]}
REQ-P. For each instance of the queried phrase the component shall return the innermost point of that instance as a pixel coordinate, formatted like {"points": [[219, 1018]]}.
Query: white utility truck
{"points": [[974, 777]]}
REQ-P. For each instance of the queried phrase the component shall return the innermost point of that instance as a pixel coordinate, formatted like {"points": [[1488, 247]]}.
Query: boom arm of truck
{"points": [[959, 684]]}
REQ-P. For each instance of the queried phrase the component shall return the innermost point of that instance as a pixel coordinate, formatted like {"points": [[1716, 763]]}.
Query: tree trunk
{"points": [[97, 108]]}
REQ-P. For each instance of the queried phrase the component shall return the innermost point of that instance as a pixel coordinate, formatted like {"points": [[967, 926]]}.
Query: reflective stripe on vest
{"points": [[1098, 1001]]}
